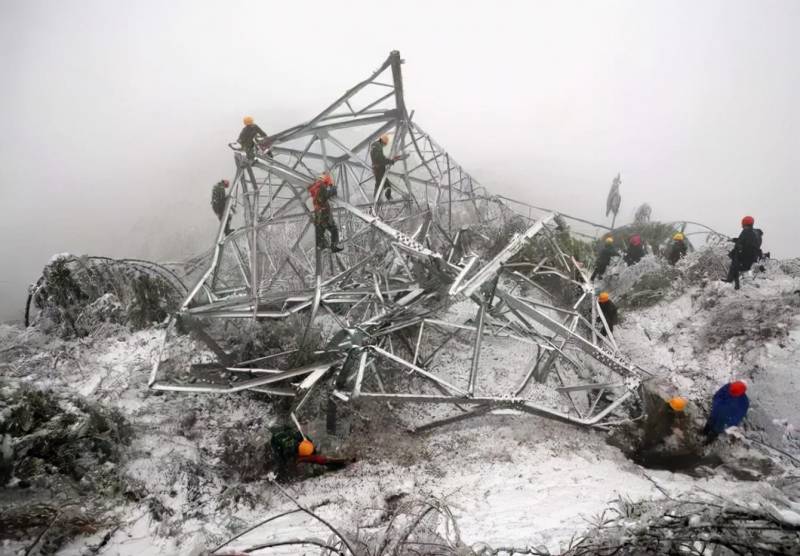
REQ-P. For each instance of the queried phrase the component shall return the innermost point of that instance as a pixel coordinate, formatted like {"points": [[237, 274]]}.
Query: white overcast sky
{"points": [[114, 115]]}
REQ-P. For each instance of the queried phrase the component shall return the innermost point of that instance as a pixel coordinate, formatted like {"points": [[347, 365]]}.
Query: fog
{"points": [[115, 115]]}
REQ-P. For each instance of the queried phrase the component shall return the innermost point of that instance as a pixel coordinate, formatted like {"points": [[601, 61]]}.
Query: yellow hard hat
{"points": [[678, 236], [603, 297], [677, 403], [385, 139], [248, 120], [306, 448], [609, 239]]}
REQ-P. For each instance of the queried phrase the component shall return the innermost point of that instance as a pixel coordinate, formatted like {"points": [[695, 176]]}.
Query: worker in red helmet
{"points": [[635, 251], [321, 192], [728, 409], [219, 198], [746, 250]]}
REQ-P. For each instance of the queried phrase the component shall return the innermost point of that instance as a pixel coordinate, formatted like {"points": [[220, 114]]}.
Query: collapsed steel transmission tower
{"points": [[427, 285]]}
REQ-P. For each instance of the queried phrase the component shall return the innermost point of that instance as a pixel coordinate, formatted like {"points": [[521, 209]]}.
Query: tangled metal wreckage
{"points": [[416, 298]]}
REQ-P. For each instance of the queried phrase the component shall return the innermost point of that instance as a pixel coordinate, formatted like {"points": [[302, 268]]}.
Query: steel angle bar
{"points": [[403, 239], [582, 387], [216, 389], [417, 369], [362, 364], [478, 411], [476, 352], [445, 399], [513, 247], [456, 285]]}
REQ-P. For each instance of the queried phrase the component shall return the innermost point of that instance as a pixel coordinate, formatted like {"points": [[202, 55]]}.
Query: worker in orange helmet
{"points": [[252, 136], [609, 310], [321, 191], [290, 447]]}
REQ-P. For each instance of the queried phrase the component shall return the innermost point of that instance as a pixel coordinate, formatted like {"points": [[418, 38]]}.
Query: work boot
{"points": [[335, 248]]}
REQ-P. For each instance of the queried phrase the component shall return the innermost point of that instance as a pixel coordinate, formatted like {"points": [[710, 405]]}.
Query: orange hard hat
{"points": [[305, 448], [677, 403], [603, 297], [248, 120], [327, 179], [385, 139]]}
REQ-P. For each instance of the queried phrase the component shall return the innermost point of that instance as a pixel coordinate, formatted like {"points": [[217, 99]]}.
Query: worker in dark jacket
{"points": [[219, 197], [321, 192], [728, 409], [609, 310], [251, 136], [289, 448], [604, 258], [677, 249], [746, 250], [635, 250], [380, 163]]}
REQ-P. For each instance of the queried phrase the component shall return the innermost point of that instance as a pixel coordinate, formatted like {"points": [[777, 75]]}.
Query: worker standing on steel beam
{"points": [[219, 197], [604, 258], [321, 191], [252, 136], [609, 310], [380, 163]]}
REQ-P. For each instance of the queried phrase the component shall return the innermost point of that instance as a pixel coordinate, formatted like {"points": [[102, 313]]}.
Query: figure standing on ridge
{"points": [[677, 249], [635, 251], [728, 409], [380, 163], [321, 191], [604, 258], [252, 136], [746, 250], [219, 197], [609, 310]]}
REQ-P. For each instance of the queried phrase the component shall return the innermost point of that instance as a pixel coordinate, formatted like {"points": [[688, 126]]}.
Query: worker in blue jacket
{"points": [[728, 409]]}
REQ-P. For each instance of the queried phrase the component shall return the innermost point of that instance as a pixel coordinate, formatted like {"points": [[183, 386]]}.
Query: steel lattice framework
{"points": [[419, 277]]}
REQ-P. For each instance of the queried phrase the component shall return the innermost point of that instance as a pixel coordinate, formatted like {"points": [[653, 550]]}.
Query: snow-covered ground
{"points": [[509, 479]]}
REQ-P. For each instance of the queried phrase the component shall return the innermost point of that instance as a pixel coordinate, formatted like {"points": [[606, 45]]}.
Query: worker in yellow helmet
{"points": [[380, 164], [677, 248], [604, 258]]}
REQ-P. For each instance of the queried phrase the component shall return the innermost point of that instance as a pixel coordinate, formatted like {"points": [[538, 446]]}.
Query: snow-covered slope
{"points": [[510, 480]]}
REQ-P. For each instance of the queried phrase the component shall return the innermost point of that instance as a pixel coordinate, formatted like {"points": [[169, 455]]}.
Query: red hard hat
{"points": [[327, 179], [748, 221], [737, 388], [636, 240]]}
